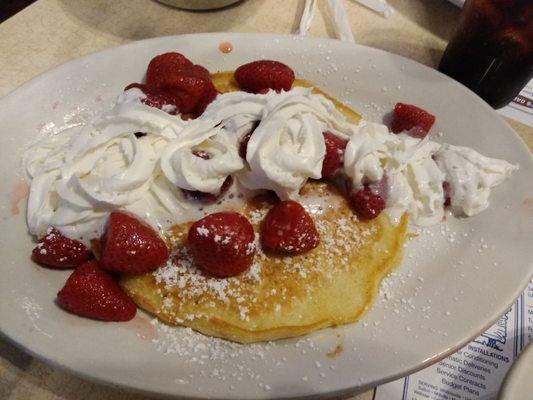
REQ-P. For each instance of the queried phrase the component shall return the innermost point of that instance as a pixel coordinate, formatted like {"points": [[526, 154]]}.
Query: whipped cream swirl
{"points": [[185, 169], [414, 179], [416, 170], [81, 174], [470, 176], [287, 147]]}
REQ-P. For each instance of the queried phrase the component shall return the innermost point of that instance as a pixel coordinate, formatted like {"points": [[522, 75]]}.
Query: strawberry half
{"points": [[366, 203], [131, 246], [156, 98], [188, 84], [222, 243], [264, 74], [288, 228], [57, 251], [91, 292], [334, 157], [243, 146], [416, 121], [164, 64]]}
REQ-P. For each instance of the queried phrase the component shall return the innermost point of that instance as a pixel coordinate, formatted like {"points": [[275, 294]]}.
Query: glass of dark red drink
{"points": [[492, 51]]}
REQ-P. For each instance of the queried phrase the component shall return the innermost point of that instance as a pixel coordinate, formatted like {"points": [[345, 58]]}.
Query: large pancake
{"points": [[279, 296]]}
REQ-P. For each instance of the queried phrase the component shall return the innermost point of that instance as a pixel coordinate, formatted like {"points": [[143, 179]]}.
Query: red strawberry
{"points": [[190, 86], [367, 205], [206, 99], [381, 187], [131, 246], [263, 74], [91, 292], [164, 64], [156, 98], [56, 251], [413, 119], [334, 154], [287, 227], [222, 243]]}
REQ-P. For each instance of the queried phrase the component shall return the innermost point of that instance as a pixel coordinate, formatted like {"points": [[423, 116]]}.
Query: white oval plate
{"points": [[456, 278]]}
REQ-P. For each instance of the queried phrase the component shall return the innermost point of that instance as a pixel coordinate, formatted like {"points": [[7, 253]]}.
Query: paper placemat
{"points": [[521, 108]]}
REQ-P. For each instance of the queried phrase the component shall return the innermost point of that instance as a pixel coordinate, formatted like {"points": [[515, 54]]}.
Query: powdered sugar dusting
{"points": [[32, 310], [190, 294]]}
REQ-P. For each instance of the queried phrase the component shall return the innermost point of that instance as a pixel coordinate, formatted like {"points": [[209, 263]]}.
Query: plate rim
{"points": [[228, 36]]}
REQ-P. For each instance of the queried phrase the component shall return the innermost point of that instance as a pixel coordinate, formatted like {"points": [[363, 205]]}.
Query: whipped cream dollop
{"points": [[183, 167], [81, 174], [287, 146], [140, 159], [470, 177], [416, 171]]}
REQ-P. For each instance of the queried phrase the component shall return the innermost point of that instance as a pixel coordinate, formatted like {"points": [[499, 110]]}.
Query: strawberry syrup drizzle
{"points": [[142, 327], [225, 47], [19, 191], [527, 204]]}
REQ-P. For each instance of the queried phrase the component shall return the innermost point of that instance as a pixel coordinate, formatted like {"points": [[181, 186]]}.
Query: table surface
{"points": [[51, 32]]}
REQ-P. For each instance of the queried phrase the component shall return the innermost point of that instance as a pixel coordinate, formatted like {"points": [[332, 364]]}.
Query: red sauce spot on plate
{"points": [[19, 191], [225, 47], [527, 204], [142, 327]]}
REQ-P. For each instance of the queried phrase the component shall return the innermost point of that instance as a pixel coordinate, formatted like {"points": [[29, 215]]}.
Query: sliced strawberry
{"points": [[91, 292], [334, 157], [447, 193], [243, 147], [189, 85], [264, 74], [381, 187], [204, 155], [164, 64], [57, 251], [131, 246], [416, 121], [156, 98], [222, 243], [366, 203], [288, 228]]}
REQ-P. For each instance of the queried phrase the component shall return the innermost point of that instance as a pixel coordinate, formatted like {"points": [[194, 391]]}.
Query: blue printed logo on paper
{"points": [[496, 335]]}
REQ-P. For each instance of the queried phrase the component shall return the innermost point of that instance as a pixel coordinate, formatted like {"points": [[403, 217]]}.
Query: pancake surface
{"points": [[279, 296]]}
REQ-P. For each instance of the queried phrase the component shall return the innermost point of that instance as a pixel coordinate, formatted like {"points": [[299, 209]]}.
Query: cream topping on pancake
{"points": [[287, 147], [186, 170], [416, 171], [470, 176], [414, 179], [81, 174]]}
